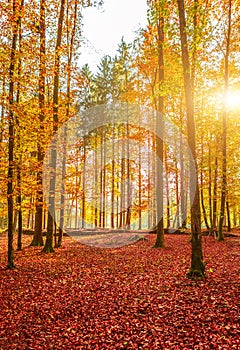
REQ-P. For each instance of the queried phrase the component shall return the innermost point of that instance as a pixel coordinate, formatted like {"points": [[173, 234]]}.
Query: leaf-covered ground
{"points": [[132, 297]]}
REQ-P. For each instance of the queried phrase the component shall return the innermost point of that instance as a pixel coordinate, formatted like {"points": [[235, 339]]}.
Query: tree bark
{"points": [[48, 247], [167, 188], [38, 236], [62, 201], [197, 265], [113, 179], [215, 193], [210, 187], [228, 216], [160, 242], [70, 54], [201, 188], [18, 142], [84, 182], [224, 126], [15, 25]]}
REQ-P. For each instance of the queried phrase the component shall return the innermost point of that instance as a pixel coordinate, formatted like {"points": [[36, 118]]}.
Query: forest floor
{"points": [[133, 297]]}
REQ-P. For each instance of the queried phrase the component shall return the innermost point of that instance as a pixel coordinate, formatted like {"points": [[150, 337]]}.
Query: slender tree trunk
{"points": [[15, 25], [183, 191], [176, 219], [62, 201], [139, 178], [70, 54], [228, 216], [215, 193], [210, 188], [96, 199], [29, 212], [160, 242], [149, 176], [19, 204], [224, 126], [48, 247], [77, 182], [167, 188], [197, 265], [2, 107], [201, 189], [104, 181], [202, 203], [122, 182], [18, 143], [129, 195], [235, 216], [113, 179], [101, 179], [84, 183], [38, 236]]}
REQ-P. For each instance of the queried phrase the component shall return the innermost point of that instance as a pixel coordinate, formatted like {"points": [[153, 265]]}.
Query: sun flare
{"points": [[233, 100]]}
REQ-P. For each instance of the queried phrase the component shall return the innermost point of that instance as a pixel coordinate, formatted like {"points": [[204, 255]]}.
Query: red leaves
{"points": [[133, 297]]}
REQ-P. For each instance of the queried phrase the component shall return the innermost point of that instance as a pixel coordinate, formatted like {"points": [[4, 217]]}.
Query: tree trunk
{"points": [[84, 183], [48, 247], [210, 187], [38, 236], [176, 219], [2, 108], [183, 192], [224, 126], [70, 53], [104, 181], [139, 179], [235, 216], [112, 182], [15, 24], [96, 188], [18, 144], [201, 189], [215, 193], [228, 216], [167, 188], [160, 242], [150, 175], [197, 265], [122, 182], [62, 201], [77, 182]]}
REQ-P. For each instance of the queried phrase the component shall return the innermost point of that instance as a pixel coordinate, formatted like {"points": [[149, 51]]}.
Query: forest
{"points": [[127, 176]]}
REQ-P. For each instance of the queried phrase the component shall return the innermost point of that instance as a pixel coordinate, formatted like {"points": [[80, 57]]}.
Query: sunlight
{"points": [[233, 100]]}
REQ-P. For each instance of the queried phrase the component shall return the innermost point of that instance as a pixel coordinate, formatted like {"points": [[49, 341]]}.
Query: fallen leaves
{"points": [[133, 297]]}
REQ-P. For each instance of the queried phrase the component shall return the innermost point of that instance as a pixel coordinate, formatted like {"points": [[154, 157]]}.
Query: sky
{"points": [[103, 28]]}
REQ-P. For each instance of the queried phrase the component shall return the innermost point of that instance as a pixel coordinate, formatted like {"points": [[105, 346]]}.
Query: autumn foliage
{"points": [[185, 66], [133, 297]]}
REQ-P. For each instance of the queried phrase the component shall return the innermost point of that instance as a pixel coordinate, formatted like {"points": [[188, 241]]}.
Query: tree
{"points": [[159, 124], [16, 11], [224, 125], [48, 247], [197, 265], [38, 237], [70, 45], [18, 143]]}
